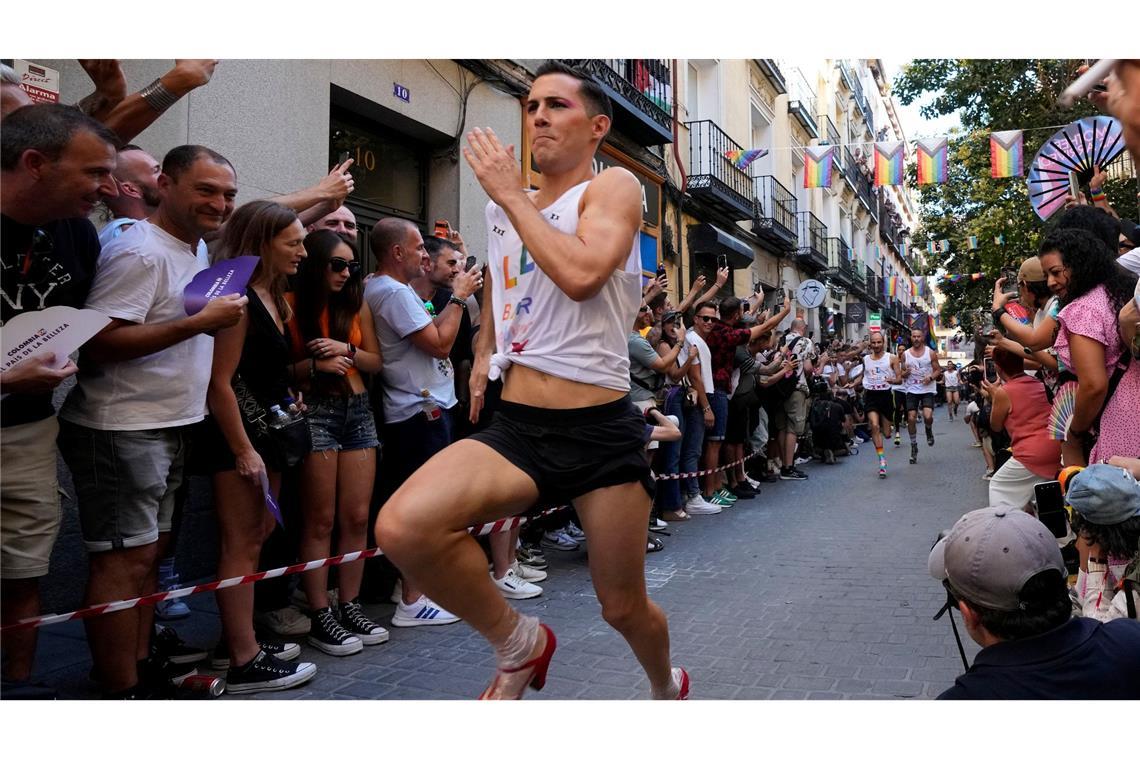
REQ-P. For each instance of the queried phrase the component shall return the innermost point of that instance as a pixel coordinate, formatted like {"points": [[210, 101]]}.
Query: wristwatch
{"points": [[351, 351]]}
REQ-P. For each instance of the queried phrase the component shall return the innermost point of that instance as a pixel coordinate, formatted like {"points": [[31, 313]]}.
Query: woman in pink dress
{"points": [[1093, 288]]}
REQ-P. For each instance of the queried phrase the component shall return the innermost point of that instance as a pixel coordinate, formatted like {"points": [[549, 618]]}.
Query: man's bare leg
{"points": [[614, 522]]}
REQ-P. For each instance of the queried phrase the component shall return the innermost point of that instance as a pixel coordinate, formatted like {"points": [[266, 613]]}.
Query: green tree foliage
{"points": [[989, 95]]}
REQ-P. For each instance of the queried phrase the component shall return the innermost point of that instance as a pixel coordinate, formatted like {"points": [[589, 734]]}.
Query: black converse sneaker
{"points": [[330, 637], [353, 620], [267, 673], [284, 651]]}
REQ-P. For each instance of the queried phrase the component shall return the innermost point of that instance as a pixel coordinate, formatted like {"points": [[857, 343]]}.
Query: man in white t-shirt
{"points": [[141, 385], [417, 378]]}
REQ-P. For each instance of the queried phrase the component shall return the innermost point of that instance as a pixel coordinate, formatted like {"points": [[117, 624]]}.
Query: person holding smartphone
{"points": [[1020, 405]]}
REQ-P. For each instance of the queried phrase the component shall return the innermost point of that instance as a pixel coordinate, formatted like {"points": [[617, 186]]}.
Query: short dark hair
{"points": [[1045, 606], [47, 128], [657, 301], [436, 245], [386, 233], [729, 306], [1091, 219], [179, 159], [706, 305], [597, 102]]}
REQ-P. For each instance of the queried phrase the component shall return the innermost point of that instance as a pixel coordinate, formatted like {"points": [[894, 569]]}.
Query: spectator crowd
{"points": [[285, 393]]}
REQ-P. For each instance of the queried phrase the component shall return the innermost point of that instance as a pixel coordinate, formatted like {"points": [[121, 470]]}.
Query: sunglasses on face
{"points": [[644, 310], [339, 265], [706, 319]]}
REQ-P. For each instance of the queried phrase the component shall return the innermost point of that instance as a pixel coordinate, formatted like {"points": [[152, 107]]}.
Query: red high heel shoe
{"points": [[540, 664], [684, 693]]}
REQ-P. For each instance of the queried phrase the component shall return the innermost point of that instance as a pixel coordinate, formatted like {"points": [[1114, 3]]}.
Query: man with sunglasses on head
{"points": [[56, 165]]}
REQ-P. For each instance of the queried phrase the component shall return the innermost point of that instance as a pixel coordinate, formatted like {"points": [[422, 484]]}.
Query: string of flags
{"points": [[931, 155]]}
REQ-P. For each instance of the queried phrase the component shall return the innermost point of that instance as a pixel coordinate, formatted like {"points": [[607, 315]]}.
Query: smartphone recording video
{"points": [[991, 371], [1010, 285], [1051, 507]]}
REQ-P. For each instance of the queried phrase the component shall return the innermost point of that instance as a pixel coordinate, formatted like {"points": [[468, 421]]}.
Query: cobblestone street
{"points": [[813, 590]]}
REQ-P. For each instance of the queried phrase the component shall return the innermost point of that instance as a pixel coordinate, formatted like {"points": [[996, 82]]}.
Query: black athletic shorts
{"points": [[915, 401], [571, 452], [881, 402]]}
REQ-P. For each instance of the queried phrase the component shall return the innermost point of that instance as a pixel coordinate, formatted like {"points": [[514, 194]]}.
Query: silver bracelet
{"points": [[157, 96]]}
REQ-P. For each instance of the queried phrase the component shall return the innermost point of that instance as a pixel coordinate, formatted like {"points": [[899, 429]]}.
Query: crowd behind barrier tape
{"points": [[486, 529]]}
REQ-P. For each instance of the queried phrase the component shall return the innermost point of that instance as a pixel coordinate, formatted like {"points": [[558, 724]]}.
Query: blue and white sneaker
{"points": [[575, 532], [423, 611], [559, 540]]}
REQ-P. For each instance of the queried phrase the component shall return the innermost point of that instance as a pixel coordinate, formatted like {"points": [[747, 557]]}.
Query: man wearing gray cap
{"points": [[1004, 570]]}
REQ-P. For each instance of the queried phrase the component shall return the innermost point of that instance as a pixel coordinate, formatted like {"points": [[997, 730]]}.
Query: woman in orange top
{"points": [[334, 340]]}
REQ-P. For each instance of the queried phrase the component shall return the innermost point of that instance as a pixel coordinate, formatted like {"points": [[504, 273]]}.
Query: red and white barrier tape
{"points": [[499, 526], [486, 529]]}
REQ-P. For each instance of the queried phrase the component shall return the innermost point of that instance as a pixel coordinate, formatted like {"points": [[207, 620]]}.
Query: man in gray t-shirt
{"points": [[645, 364], [417, 378]]}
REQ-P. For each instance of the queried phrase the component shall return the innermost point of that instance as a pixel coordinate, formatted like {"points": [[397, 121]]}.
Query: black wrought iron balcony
{"points": [[714, 178], [801, 108], [812, 252], [642, 93], [845, 74], [771, 71], [888, 226], [858, 276], [850, 169], [874, 289], [865, 190], [839, 261], [775, 216]]}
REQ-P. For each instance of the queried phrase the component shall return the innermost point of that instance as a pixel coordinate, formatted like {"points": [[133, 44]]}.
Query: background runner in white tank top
{"points": [[950, 377], [539, 326], [877, 373], [920, 367]]}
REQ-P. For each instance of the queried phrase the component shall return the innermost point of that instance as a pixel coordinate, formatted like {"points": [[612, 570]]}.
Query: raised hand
{"points": [[495, 167], [336, 186]]}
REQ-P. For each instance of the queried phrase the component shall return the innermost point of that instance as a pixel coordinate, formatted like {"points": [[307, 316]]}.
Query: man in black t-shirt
{"points": [[56, 164]]}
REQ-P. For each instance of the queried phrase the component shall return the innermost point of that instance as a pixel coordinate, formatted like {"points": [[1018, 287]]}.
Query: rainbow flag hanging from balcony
{"points": [[889, 158], [902, 250], [1006, 154], [932, 167], [818, 161], [890, 285], [742, 159]]}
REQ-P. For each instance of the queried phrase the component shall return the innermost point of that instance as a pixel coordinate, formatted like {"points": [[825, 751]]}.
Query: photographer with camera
{"points": [[1004, 573]]}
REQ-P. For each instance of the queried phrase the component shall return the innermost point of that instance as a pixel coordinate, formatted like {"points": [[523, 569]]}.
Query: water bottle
{"points": [[277, 417], [294, 410]]}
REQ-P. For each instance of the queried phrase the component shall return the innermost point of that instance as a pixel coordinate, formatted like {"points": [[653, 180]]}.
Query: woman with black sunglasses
{"points": [[334, 340]]}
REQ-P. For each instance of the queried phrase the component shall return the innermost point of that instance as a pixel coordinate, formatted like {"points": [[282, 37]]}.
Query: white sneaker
{"points": [[514, 587], [754, 483], [423, 611], [287, 621], [575, 533], [801, 460], [527, 573], [559, 540], [696, 505]]}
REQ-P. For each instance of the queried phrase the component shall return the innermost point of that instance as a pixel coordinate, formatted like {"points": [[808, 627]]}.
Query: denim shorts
{"points": [[342, 423], [719, 403], [125, 481]]}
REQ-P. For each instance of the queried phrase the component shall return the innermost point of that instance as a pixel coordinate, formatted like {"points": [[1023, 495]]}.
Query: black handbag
{"points": [[280, 447]]}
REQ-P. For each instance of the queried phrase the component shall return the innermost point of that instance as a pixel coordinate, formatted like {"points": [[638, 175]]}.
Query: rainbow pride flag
{"points": [[931, 160], [742, 159], [890, 285], [1006, 154], [889, 157], [818, 161]]}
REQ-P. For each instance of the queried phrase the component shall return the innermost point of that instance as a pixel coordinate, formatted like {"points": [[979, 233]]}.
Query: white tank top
{"points": [[920, 367], [951, 378], [877, 372], [539, 326]]}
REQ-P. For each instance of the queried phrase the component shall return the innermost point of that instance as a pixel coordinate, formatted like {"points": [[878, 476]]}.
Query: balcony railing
{"points": [[830, 135], [845, 75], [813, 236], [865, 191], [642, 90], [850, 169], [839, 261], [801, 103], [775, 217], [874, 289], [861, 101], [714, 178], [888, 229]]}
